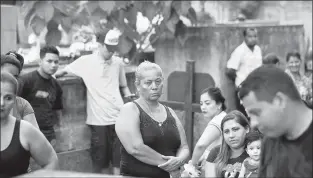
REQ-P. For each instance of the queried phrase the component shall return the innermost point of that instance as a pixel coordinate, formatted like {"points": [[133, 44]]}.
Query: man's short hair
{"points": [[245, 31], [48, 49], [266, 81], [293, 54], [271, 58]]}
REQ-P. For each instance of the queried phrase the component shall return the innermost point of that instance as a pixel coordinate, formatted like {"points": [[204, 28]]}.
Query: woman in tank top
{"points": [[153, 138], [19, 139], [213, 109]]}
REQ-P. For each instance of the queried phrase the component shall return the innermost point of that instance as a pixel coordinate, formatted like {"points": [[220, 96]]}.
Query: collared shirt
{"points": [[102, 80], [244, 61]]}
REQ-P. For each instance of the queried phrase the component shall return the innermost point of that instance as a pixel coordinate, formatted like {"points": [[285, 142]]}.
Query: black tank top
{"points": [[14, 160], [164, 139]]}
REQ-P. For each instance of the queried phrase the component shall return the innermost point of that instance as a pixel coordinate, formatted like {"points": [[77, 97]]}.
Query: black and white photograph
{"points": [[156, 89]]}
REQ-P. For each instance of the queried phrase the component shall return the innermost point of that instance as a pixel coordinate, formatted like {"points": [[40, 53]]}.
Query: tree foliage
{"points": [[163, 16]]}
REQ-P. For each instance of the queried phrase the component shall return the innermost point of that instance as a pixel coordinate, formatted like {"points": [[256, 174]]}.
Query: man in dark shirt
{"points": [[43, 91], [275, 107]]}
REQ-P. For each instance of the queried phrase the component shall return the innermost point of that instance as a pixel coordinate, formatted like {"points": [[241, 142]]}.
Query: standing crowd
{"points": [[268, 135]]}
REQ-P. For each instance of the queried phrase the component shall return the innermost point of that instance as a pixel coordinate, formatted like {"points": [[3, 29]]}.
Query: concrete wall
{"points": [[8, 28], [211, 47], [283, 12]]}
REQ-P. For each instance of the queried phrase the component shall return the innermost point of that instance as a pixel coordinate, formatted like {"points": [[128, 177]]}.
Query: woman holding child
{"points": [[226, 160]]}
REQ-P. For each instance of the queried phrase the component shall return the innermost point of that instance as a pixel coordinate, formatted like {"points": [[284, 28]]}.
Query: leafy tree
{"points": [[164, 17]]}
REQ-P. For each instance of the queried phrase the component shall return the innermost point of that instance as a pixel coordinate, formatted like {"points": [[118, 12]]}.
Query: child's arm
{"points": [[243, 170]]}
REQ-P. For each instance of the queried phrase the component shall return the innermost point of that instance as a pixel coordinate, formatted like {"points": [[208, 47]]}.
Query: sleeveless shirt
{"points": [[14, 160], [164, 139]]}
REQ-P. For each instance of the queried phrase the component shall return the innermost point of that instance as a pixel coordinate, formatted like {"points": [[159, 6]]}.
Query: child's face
{"points": [[254, 149]]}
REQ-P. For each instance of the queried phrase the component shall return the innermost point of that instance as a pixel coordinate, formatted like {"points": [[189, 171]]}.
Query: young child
{"points": [[250, 165]]}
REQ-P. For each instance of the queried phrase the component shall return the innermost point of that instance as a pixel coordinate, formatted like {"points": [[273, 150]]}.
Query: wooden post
{"points": [[190, 67]]}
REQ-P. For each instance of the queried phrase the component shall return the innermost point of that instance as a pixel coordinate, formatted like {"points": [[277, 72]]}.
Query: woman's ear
{"points": [[247, 130]]}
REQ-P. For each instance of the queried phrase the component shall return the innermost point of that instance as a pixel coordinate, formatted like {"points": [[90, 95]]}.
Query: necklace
{"points": [[150, 111]]}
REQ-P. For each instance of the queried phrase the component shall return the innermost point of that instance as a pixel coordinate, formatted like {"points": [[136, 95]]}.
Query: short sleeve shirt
{"points": [[233, 164], [102, 80], [44, 95], [21, 108], [244, 61], [300, 149]]}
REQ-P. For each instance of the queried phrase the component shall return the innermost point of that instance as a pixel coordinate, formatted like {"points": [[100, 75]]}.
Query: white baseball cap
{"points": [[112, 37]]}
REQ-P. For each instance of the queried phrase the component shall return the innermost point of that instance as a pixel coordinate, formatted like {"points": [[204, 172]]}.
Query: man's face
{"points": [[50, 63], [106, 51], [251, 38], [267, 117]]}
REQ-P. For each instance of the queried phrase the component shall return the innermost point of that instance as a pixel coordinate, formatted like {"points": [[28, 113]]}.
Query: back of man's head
{"points": [[266, 81], [271, 59]]}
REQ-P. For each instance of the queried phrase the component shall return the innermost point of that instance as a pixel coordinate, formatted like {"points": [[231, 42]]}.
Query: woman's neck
{"points": [[296, 74], [151, 104], [4, 122], [236, 152]]}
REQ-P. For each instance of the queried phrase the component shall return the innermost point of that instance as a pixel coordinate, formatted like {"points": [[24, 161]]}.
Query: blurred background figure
{"points": [[303, 83], [271, 59]]}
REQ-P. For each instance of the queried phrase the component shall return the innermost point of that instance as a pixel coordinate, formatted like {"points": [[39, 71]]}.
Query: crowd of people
{"points": [[268, 135]]}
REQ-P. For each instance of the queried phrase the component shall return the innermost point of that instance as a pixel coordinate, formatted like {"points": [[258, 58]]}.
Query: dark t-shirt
{"points": [[292, 158], [233, 164], [45, 96]]}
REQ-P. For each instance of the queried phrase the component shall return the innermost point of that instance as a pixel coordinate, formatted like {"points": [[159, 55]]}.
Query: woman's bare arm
{"points": [[210, 134], [39, 147], [31, 118], [183, 151], [128, 131]]}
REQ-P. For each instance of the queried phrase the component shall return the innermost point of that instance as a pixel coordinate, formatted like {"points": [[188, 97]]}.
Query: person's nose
{"points": [[231, 134], [2, 102], [202, 107], [154, 86]]}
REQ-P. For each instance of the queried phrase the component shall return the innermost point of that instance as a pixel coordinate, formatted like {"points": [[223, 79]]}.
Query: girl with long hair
{"points": [[226, 160]]}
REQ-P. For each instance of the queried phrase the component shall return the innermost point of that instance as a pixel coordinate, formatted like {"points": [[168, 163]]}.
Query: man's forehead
{"points": [[51, 56], [250, 100]]}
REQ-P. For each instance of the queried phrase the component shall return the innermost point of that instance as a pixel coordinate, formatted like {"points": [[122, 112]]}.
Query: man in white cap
{"points": [[103, 75]]}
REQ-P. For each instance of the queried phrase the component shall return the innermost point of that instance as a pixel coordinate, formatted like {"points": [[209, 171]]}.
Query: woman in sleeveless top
{"points": [[19, 139], [213, 109], [12, 63], [153, 138]]}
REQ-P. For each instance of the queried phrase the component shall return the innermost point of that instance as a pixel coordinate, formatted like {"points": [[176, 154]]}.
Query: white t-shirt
{"points": [[102, 80], [244, 61], [216, 121]]}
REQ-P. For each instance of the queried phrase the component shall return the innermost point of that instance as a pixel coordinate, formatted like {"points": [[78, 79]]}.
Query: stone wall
{"points": [[8, 28], [211, 47]]}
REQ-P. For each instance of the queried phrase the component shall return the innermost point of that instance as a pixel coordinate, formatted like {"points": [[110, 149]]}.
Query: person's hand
{"points": [[190, 170], [172, 163]]}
